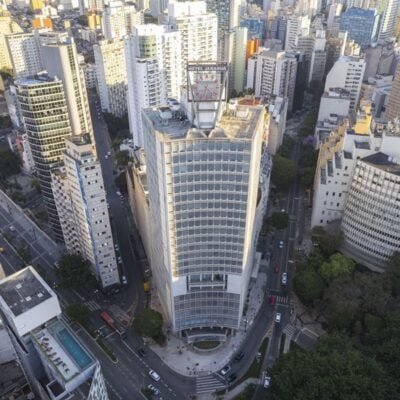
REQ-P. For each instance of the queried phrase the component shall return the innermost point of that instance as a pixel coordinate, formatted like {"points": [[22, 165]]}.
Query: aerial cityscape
{"points": [[200, 199]]}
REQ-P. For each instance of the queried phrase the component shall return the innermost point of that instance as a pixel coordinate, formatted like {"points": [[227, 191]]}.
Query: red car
{"points": [[276, 269], [272, 299]]}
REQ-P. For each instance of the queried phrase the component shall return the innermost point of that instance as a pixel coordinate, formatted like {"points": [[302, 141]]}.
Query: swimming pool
{"points": [[74, 349]]}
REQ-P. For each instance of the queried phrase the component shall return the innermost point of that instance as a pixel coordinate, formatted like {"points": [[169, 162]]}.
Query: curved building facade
{"points": [[371, 220], [203, 188]]}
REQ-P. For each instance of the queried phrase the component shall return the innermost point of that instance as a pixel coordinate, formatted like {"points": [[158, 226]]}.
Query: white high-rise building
{"points": [[318, 58], [154, 71], [388, 19], [199, 31], [25, 55], [119, 18], [203, 208], [7, 26], [297, 25], [112, 83], [80, 198], [237, 60], [347, 73], [61, 61], [272, 72]]}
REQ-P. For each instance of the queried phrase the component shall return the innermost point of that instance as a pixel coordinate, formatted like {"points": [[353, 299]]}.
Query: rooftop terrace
{"points": [[24, 290]]}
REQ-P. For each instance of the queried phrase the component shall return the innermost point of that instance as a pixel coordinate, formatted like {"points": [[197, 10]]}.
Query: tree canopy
{"points": [[279, 220], [328, 243], [74, 271], [148, 323], [334, 370], [10, 164], [338, 265], [77, 312], [283, 172]]}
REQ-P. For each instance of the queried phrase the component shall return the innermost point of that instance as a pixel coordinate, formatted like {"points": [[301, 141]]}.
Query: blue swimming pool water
{"points": [[74, 349]]}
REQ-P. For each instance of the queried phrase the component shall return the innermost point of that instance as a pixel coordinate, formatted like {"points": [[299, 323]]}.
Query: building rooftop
{"points": [[38, 79], [13, 384], [62, 349], [24, 290], [383, 162], [238, 121]]}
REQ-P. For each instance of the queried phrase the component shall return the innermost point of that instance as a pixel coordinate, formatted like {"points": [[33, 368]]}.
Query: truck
{"points": [[114, 325]]}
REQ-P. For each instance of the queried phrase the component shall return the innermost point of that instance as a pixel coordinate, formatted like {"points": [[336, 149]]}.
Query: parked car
{"points": [[154, 375], [267, 382], [225, 370], [284, 278], [239, 356], [278, 318], [154, 389], [141, 352]]}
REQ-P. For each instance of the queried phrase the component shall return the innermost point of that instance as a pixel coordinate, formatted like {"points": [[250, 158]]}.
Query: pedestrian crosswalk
{"points": [[289, 330], [282, 300], [92, 305], [208, 384]]}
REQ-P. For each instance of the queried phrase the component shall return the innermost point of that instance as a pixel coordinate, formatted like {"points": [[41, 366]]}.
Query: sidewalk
{"points": [[183, 359]]}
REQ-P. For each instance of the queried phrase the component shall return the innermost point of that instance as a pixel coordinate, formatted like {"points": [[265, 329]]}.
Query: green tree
{"points": [[122, 157], [36, 184], [77, 312], [283, 172], [148, 323], [334, 370], [338, 265], [10, 164], [307, 176], [83, 20], [74, 271], [286, 148], [308, 285], [328, 243], [279, 220], [392, 274]]}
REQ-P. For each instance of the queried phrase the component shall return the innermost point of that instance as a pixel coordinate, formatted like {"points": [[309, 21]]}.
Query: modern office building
{"points": [[45, 118], [61, 61], [198, 29], [388, 10], [371, 222], [318, 57], [393, 105], [347, 73], [227, 12], [55, 362], [203, 175], [80, 197], [277, 108], [271, 72], [154, 71], [112, 82], [237, 59], [361, 24], [25, 54]]}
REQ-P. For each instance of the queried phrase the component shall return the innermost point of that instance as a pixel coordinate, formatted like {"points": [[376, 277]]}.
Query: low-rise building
{"points": [[55, 362]]}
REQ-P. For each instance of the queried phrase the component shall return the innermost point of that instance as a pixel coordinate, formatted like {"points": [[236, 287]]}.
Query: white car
{"points": [[154, 389], [278, 317], [124, 280], [118, 193], [109, 153], [284, 278], [12, 229], [267, 382], [225, 370], [106, 157], [281, 244], [154, 375]]}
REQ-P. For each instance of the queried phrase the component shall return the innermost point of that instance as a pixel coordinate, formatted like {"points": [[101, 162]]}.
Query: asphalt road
{"points": [[282, 257]]}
